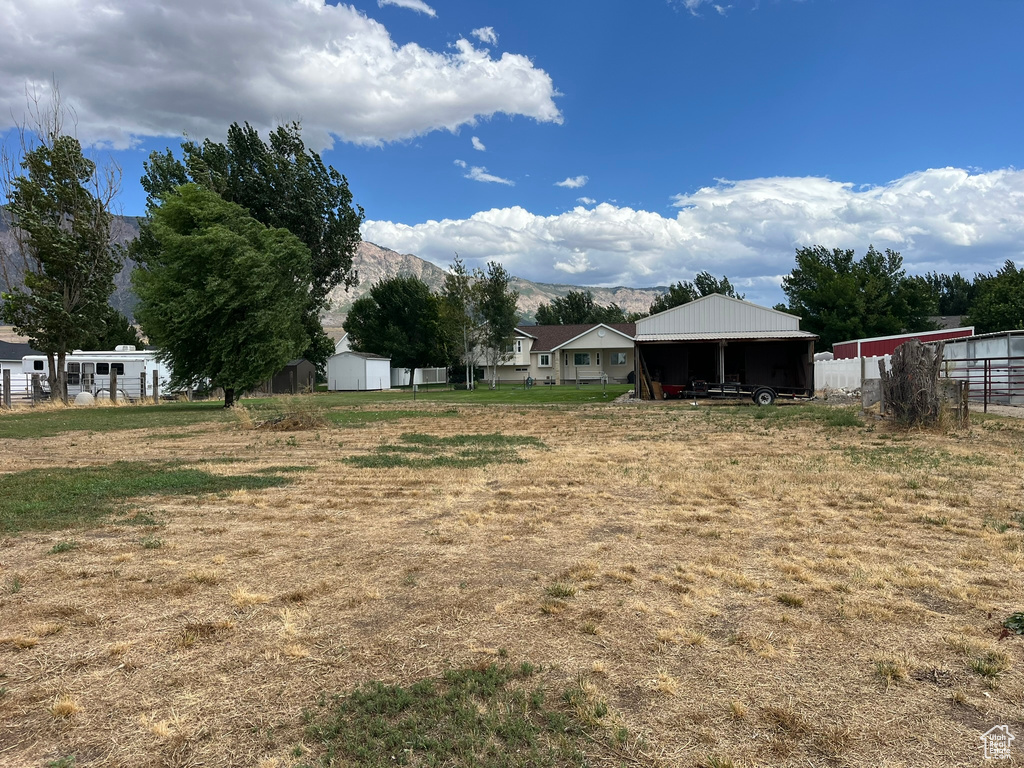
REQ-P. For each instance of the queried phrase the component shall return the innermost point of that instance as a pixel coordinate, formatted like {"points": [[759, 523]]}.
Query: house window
{"points": [[545, 360], [581, 358], [519, 345], [522, 370], [618, 358]]}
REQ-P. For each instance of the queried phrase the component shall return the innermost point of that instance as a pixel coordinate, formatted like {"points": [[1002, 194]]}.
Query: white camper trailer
{"points": [[89, 371]]}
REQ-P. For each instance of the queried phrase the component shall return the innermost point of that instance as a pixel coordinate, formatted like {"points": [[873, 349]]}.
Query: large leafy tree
{"points": [[840, 297], [399, 318], [578, 307], [683, 292], [999, 305], [220, 293], [952, 294], [61, 273], [116, 330], [284, 185]]}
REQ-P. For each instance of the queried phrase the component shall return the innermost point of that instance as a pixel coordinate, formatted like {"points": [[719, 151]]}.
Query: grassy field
{"points": [[489, 579]]}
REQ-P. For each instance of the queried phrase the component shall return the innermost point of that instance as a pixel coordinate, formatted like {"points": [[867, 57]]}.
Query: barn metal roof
{"points": [[725, 336]]}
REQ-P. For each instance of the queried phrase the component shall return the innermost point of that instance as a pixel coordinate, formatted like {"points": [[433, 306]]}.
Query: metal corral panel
{"points": [[987, 363], [716, 314]]}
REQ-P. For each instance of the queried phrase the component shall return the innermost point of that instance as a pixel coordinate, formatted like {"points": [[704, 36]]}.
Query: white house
{"points": [[558, 354], [358, 371]]}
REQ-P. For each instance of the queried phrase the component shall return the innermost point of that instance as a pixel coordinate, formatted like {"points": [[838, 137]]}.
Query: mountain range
{"points": [[372, 263]]}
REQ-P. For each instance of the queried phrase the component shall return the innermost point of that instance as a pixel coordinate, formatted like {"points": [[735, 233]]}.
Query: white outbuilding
{"points": [[358, 371]]}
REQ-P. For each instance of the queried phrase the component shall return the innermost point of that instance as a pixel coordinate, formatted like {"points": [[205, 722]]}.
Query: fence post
{"points": [[7, 388], [142, 387], [987, 380], [156, 387], [113, 385]]}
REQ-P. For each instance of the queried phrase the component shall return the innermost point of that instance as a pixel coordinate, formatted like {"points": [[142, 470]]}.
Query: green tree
{"points": [[283, 185], [460, 314], [579, 307], [222, 295], [116, 330], [952, 294], [61, 273], [683, 292], [999, 305], [497, 304], [840, 297], [399, 318]]}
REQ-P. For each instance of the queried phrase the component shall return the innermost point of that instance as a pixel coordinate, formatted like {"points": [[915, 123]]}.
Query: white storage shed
{"points": [[358, 371]]}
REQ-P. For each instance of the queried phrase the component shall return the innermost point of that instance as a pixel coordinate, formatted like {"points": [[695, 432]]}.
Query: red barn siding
{"points": [[886, 345]]}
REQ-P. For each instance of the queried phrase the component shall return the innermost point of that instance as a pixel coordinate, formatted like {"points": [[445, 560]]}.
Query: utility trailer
{"points": [[761, 394]]}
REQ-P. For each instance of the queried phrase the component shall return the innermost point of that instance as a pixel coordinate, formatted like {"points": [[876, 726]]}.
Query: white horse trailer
{"points": [[89, 371]]}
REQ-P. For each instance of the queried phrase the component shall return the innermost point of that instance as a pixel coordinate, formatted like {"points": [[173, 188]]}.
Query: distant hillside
{"points": [[372, 262]]}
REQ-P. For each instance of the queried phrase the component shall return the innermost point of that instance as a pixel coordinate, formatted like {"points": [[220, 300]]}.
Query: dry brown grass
{"points": [[780, 594]]}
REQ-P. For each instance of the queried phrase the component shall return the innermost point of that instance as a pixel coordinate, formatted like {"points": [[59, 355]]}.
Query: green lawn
{"points": [[29, 423], [61, 497]]}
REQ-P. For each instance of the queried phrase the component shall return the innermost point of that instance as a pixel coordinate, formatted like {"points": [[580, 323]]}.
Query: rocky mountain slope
{"points": [[373, 262]]}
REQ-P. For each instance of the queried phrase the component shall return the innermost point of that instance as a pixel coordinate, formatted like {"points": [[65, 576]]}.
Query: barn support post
{"points": [[7, 388], [294, 375], [113, 385], [142, 387], [721, 360], [156, 387]]}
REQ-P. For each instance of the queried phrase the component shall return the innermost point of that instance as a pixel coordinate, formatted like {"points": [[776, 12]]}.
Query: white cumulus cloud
{"points": [[573, 182], [946, 219], [412, 5], [486, 35], [478, 145], [136, 68], [586, 200]]}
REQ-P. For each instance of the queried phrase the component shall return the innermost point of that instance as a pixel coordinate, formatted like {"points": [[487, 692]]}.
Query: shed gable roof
{"points": [[717, 314]]}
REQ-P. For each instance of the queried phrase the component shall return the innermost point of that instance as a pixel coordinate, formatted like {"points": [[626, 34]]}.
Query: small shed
{"points": [[358, 371], [298, 376], [718, 343]]}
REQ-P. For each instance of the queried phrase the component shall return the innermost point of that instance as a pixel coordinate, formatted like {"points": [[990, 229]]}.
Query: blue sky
{"points": [[585, 142]]}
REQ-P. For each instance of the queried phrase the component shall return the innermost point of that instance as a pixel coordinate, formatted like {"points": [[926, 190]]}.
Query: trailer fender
{"points": [[764, 396]]}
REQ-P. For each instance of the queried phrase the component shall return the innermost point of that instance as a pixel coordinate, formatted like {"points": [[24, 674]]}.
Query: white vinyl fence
{"points": [[847, 374]]}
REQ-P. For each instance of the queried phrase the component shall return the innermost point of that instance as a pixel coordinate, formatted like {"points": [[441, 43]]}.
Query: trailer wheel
{"points": [[764, 396]]}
